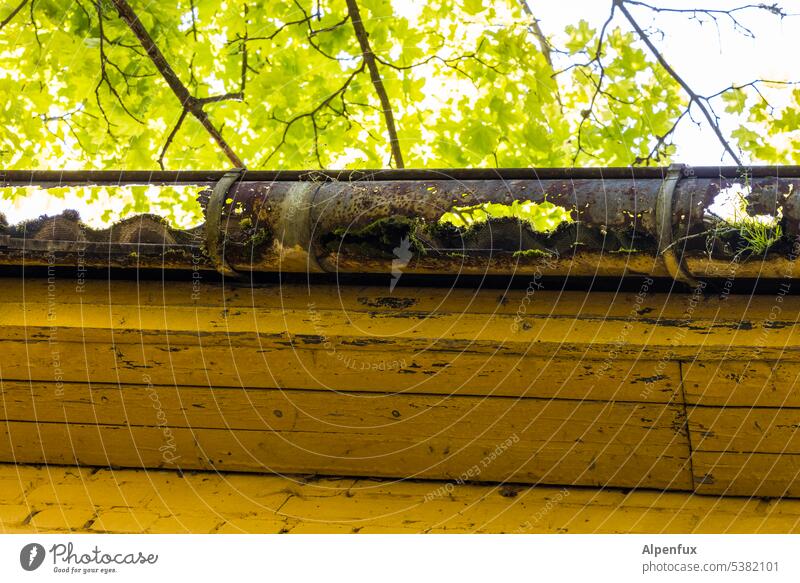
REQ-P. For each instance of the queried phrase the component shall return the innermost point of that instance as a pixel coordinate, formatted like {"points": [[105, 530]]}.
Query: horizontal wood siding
{"points": [[601, 389]]}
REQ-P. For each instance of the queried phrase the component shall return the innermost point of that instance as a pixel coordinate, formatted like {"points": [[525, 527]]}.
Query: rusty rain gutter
{"points": [[642, 221]]}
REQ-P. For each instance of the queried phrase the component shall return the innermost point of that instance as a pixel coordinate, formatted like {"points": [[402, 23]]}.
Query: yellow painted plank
{"points": [[443, 373], [570, 324], [407, 414], [750, 383], [746, 474], [378, 300], [369, 506], [623, 445], [745, 429]]}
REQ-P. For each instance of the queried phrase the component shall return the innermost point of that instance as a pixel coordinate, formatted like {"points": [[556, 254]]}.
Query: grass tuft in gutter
{"points": [[740, 232]]}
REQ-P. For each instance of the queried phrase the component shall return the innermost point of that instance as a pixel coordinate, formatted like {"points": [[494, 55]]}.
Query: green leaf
{"points": [[735, 100]]}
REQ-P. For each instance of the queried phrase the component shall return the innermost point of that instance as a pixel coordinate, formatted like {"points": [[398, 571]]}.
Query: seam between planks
{"points": [[686, 425]]}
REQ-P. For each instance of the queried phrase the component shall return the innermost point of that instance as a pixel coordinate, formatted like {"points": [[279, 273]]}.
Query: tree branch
{"points": [[369, 58], [536, 30], [694, 98], [189, 103], [715, 14], [597, 60], [104, 78], [14, 12], [312, 116]]}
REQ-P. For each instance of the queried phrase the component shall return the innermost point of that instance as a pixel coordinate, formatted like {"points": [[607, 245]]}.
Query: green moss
{"points": [[382, 235], [532, 253], [259, 237]]}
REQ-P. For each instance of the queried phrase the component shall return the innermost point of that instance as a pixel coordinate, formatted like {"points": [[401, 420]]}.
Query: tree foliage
{"points": [[359, 83]]}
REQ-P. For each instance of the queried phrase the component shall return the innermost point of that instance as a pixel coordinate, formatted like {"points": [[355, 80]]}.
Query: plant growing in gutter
{"points": [[730, 222]]}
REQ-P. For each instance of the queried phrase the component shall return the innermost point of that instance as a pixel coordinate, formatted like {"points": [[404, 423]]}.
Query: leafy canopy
{"points": [[349, 83], [467, 80]]}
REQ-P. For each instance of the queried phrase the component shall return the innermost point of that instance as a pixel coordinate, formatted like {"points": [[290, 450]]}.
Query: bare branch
{"points": [[661, 142], [35, 25], [245, 67], [596, 59], [694, 98], [369, 58], [342, 22], [189, 103], [236, 96], [104, 78], [715, 14], [193, 30], [306, 19], [752, 84]]}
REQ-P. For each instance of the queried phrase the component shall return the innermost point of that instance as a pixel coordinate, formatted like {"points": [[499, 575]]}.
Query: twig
{"points": [[661, 142], [189, 103], [171, 137], [377, 82], [104, 78], [596, 59], [311, 115], [715, 13], [192, 10]]}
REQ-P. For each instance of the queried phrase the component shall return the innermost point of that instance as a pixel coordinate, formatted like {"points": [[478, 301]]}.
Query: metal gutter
{"points": [[626, 221], [74, 177]]}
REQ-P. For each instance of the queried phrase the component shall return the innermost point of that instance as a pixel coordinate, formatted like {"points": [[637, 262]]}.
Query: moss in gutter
{"points": [[533, 253], [381, 236], [259, 237]]}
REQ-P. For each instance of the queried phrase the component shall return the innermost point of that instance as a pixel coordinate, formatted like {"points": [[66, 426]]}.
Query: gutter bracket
{"points": [[295, 241], [215, 240], [666, 246]]}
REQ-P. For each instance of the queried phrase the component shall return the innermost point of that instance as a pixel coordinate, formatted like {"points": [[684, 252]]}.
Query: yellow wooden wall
{"points": [[677, 392]]}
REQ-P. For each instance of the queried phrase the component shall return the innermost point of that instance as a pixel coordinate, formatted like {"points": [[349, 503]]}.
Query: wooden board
{"points": [[36, 500], [427, 372], [420, 382], [745, 429], [564, 324], [742, 383], [529, 440], [747, 474], [328, 411]]}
